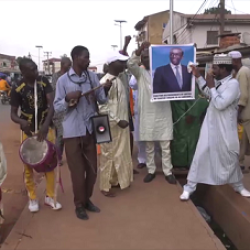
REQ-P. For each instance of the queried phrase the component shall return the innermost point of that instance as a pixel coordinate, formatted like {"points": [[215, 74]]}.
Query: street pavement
{"points": [[14, 197], [145, 216]]}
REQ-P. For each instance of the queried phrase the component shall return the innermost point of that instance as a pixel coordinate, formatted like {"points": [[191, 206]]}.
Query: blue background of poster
{"points": [[160, 55]]}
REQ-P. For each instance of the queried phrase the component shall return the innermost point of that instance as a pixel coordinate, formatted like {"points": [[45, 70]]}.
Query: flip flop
{"points": [[108, 194]]}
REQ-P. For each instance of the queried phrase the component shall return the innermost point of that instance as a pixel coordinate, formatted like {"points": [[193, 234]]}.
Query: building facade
{"points": [[8, 64], [51, 66], [203, 29], [151, 27], [93, 69]]}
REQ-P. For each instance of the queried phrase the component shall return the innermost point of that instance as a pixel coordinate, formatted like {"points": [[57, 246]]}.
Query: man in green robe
{"points": [[187, 129]]}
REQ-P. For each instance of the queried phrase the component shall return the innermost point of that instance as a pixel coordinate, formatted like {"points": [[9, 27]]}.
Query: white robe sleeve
{"points": [[113, 102], [227, 97], [203, 87], [133, 66]]}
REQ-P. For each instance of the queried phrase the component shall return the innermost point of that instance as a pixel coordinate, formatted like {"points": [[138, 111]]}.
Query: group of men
{"points": [[214, 161]]}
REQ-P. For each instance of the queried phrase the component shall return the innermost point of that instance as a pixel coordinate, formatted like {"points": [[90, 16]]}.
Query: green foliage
{"points": [[216, 10]]}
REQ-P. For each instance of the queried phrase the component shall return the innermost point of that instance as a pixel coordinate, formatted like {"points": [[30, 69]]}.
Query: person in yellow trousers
{"points": [[22, 96]]}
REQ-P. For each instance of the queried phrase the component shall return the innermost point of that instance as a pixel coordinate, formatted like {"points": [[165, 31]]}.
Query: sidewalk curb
{"points": [[19, 229]]}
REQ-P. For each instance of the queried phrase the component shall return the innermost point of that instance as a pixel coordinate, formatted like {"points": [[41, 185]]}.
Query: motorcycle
{"points": [[4, 97]]}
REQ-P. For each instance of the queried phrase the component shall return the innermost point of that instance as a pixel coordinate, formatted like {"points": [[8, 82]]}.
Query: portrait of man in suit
{"points": [[173, 77]]}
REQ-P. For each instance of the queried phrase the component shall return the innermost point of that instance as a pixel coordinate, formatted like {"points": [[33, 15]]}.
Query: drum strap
{"points": [[36, 107]]}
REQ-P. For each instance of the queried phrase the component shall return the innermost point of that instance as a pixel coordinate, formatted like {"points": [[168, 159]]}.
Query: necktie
{"points": [[178, 77]]}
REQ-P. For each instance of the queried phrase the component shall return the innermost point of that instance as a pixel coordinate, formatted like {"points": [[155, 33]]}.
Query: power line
{"points": [[183, 38], [191, 19], [233, 8], [185, 30]]}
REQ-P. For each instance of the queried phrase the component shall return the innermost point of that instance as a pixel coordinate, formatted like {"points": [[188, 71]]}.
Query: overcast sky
{"points": [[60, 25]]}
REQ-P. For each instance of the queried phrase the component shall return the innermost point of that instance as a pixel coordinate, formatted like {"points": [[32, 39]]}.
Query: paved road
{"points": [[14, 197]]}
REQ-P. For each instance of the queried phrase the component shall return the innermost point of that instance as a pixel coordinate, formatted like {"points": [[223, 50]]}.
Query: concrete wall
{"points": [[156, 26], [198, 33], [53, 69], [178, 27], [5, 65]]}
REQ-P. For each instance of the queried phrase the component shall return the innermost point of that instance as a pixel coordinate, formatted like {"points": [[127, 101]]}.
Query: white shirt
{"points": [[174, 69]]}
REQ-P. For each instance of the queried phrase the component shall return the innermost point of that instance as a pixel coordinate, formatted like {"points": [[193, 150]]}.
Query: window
{"points": [[212, 37], [164, 25]]}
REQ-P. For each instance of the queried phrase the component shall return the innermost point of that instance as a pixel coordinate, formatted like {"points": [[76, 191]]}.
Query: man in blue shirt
{"points": [[78, 134]]}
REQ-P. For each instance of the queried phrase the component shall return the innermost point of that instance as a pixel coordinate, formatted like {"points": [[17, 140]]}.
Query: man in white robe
{"points": [[155, 122], [116, 168], [216, 157], [141, 157], [243, 77]]}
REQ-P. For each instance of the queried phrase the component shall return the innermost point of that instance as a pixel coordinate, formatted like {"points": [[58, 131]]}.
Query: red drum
{"points": [[41, 156]]}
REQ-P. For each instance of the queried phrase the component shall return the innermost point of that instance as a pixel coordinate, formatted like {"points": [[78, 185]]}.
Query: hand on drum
{"points": [[25, 127], [42, 133], [73, 96]]}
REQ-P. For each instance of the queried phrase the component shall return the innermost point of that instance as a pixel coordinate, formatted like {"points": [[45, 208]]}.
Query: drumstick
{"points": [[73, 102]]}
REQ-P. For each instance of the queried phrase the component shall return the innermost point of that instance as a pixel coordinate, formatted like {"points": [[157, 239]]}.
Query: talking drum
{"points": [[41, 156]]}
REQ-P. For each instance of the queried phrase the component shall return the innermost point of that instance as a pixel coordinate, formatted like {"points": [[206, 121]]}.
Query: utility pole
{"points": [[39, 47], [222, 16], [47, 54], [171, 11], [120, 21], [29, 55]]}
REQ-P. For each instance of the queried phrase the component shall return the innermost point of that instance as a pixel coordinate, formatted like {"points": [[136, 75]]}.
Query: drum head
{"points": [[32, 151]]}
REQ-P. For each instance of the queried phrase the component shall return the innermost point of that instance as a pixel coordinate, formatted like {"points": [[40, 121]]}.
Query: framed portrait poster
{"points": [[170, 77]]}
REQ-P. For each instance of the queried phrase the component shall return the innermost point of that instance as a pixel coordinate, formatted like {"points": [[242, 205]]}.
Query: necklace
{"points": [[85, 76]]}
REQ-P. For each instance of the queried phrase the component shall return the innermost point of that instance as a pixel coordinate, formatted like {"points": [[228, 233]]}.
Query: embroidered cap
{"points": [[222, 59], [235, 54]]}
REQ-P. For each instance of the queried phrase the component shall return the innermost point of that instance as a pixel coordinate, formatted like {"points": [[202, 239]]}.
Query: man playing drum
{"points": [[23, 96]]}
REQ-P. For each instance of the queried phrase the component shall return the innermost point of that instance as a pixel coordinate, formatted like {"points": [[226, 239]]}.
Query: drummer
{"points": [[22, 96]]}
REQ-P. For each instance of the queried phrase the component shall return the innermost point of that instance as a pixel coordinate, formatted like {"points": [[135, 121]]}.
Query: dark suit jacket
{"points": [[165, 80]]}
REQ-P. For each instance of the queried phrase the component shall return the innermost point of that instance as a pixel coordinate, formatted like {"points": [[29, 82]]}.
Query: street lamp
{"points": [[120, 21], [114, 47], [39, 47]]}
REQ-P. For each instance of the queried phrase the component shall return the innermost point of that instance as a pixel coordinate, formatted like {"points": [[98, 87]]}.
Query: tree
{"points": [[216, 10], [64, 55]]}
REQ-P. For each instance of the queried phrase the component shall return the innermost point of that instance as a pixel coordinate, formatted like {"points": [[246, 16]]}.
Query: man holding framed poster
{"points": [[155, 119], [171, 79]]}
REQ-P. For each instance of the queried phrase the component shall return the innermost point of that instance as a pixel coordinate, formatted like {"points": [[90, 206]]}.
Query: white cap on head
{"points": [[116, 56], [222, 59], [235, 54]]}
